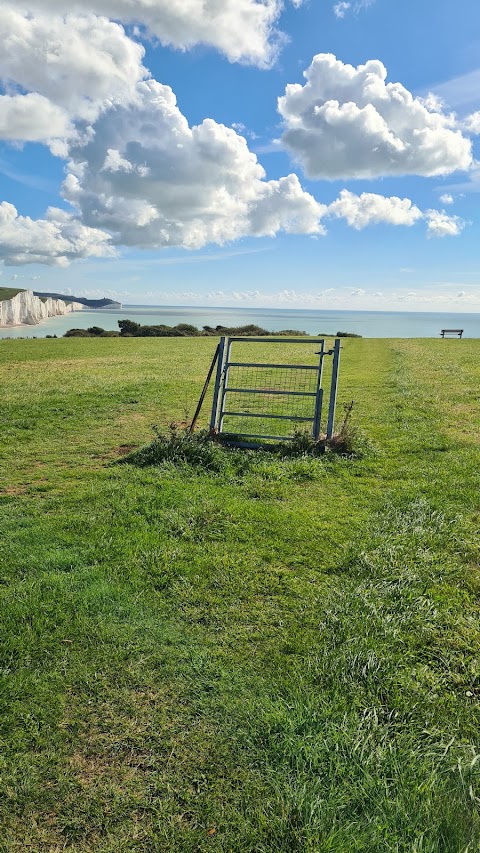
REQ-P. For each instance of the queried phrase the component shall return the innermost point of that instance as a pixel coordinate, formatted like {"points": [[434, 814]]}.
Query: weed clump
{"points": [[202, 449], [178, 445], [347, 441]]}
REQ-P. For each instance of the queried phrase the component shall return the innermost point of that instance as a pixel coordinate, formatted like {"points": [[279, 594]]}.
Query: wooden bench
{"points": [[458, 332]]}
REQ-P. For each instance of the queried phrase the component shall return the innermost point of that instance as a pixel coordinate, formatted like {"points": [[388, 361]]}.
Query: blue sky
{"points": [[347, 193]]}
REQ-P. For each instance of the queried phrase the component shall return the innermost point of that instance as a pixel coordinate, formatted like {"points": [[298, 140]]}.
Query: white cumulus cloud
{"points": [[440, 224], [360, 211], [348, 122], [153, 181], [243, 30], [371, 208], [55, 240], [78, 64], [446, 198], [472, 123], [31, 118]]}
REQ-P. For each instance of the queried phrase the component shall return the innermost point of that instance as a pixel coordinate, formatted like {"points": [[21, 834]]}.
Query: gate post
{"points": [[319, 397], [218, 380], [224, 385], [333, 389]]}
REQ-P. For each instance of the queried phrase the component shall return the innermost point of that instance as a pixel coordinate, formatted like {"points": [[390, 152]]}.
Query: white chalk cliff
{"points": [[27, 309]]}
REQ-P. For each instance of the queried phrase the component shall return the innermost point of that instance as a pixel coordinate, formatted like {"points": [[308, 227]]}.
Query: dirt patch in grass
{"points": [[117, 452], [137, 417], [124, 449], [100, 770], [13, 491]]}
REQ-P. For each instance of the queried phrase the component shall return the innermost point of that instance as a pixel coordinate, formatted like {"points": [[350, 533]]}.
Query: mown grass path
{"points": [[284, 660]]}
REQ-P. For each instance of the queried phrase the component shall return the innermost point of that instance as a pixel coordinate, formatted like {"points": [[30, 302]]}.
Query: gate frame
{"points": [[221, 389]]}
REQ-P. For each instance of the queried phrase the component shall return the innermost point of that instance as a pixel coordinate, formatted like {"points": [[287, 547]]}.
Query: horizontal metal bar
{"points": [[257, 415], [223, 435], [286, 366], [300, 340], [268, 391]]}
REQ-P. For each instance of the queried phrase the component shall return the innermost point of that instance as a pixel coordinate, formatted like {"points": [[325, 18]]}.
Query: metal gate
{"points": [[260, 401]]}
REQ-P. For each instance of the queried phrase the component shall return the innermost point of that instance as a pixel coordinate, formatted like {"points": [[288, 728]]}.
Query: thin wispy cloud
{"points": [[471, 185], [344, 7], [128, 264], [341, 9], [460, 93], [34, 182], [210, 258]]}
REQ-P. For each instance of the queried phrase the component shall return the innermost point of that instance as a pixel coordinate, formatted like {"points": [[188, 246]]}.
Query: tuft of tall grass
{"points": [[178, 445], [204, 451]]}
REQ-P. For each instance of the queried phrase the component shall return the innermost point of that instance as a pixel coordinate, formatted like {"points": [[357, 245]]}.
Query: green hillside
{"points": [[89, 303], [282, 657], [9, 292]]}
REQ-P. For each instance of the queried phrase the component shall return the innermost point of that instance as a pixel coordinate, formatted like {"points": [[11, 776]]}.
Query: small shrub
{"points": [[347, 441], [178, 445], [203, 450], [350, 440], [128, 327], [92, 332], [344, 441], [187, 329], [303, 444], [251, 330]]}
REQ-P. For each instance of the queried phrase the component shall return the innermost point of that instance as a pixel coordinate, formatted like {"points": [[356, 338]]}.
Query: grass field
{"points": [[9, 292], [280, 659]]}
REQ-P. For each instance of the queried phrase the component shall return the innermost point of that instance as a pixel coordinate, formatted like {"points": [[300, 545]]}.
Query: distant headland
{"points": [[27, 307], [88, 303]]}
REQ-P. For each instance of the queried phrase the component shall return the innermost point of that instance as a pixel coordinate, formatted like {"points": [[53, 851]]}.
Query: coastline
{"points": [[44, 320], [36, 325], [368, 324], [24, 308]]}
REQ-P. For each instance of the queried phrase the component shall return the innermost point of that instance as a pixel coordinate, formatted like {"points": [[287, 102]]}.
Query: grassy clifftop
{"points": [[9, 292], [284, 659]]}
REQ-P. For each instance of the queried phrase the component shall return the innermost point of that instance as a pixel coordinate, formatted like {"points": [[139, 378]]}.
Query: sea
{"points": [[369, 324]]}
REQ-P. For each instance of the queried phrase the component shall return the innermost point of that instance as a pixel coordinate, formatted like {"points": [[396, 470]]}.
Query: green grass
{"points": [[9, 292], [280, 657]]}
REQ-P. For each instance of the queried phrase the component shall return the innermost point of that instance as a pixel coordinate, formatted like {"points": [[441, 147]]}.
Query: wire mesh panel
{"points": [[265, 392], [268, 395]]}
